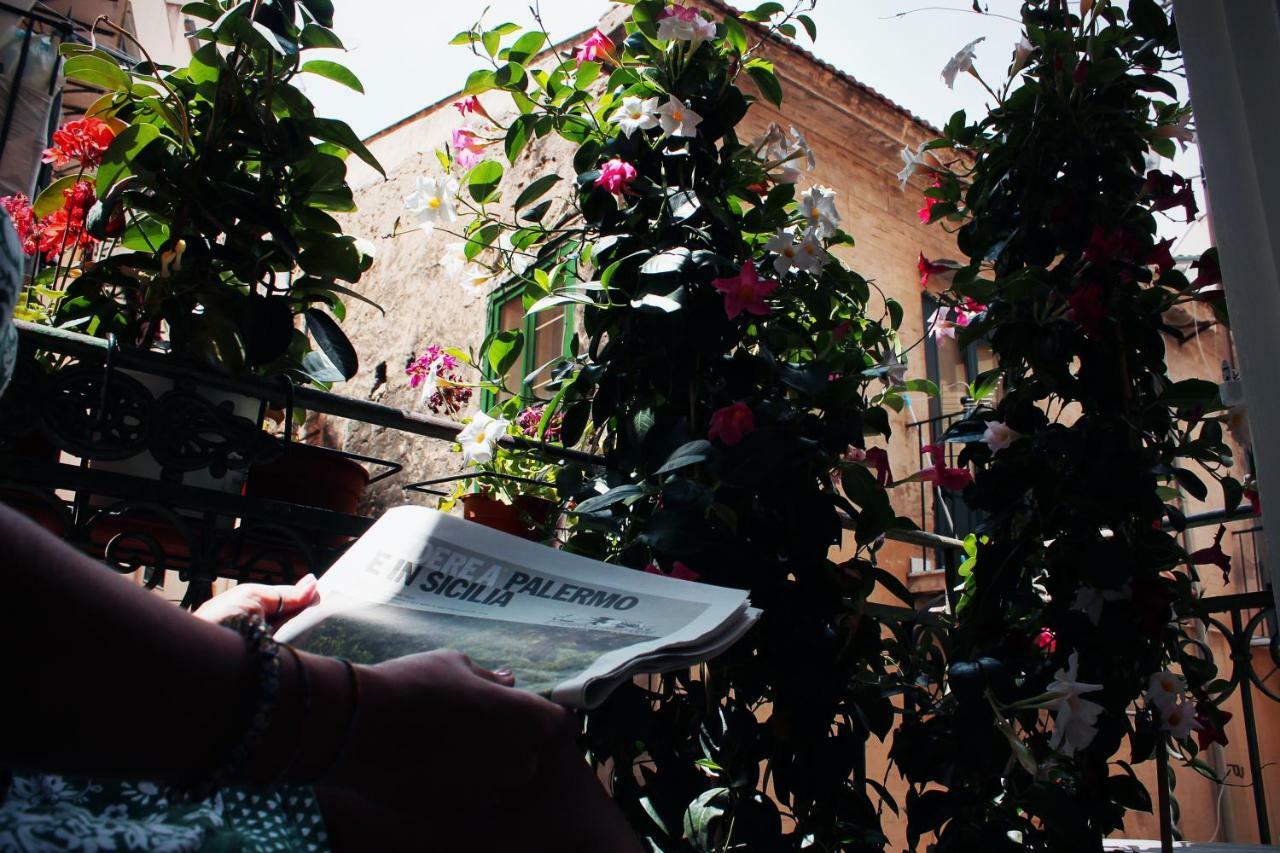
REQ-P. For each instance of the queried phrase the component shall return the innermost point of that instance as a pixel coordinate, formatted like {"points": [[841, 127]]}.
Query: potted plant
{"points": [[505, 487], [195, 219]]}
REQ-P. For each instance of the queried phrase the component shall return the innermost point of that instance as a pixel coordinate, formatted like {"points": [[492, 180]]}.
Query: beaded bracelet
{"points": [[304, 688], [265, 655]]}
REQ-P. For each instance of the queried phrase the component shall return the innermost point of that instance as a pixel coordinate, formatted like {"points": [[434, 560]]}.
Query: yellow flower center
{"points": [[480, 439], [637, 115], [434, 203], [677, 115], [789, 252]]}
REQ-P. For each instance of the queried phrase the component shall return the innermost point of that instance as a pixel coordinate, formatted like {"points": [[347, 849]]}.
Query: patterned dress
{"points": [[43, 812]]}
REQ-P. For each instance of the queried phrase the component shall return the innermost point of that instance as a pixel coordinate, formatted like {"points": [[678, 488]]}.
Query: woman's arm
{"points": [[106, 678]]}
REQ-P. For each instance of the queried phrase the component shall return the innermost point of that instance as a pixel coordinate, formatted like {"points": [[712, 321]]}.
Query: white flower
{"points": [[479, 437], [781, 153], [469, 275], [430, 382], [914, 163], [818, 206], [895, 372], [1075, 718], [783, 244], [683, 23], [1180, 719], [939, 324], [1021, 53], [1090, 600], [432, 201], [1165, 689], [518, 260], [998, 436], [811, 256], [636, 114], [961, 62], [677, 119]]}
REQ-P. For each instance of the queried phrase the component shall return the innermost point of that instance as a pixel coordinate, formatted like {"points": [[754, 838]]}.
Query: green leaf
{"points": [[341, 134], [685, 455], [1192, 484], [96, 71], [763, 12], [766, 81], [479, 82], [483, 180], [332, 258], [491, 40], [334, 71], [809, 26], [144, 234], [1191, 392], [117, 162], [736, 34], [317, 36], [51, 198], [525, 47], [535, 190], [615, 495], [503, 351], [331, 340], [512, 77], [924, 386], [517, 136]]}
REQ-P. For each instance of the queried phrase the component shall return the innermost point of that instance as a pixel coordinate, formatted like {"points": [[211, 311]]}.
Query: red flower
{"points": [[1208, 270], [1046, 641], [24, 220], [85, 141], [1169, 191], [1214, 555], [842, 330], [745, 292], [679, 571], [1255, 501], [951, 479], [1114, 245], [78, 198], [732, 424], [1088, 308], [1160, 256], [877, 458], [929, 268], [1210, 727]]}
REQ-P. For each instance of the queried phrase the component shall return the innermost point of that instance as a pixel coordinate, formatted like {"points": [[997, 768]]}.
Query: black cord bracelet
{"points": [[264, 655]]}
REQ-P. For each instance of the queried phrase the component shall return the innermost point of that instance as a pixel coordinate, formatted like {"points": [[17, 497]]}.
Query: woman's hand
{"points": [[275, 604], [435, 727]]}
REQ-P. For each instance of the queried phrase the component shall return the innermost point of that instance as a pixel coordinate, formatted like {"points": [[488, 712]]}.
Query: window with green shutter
{"points": [[547, 338]]}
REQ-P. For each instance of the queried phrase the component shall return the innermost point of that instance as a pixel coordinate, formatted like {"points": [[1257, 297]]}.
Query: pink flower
{"points": [[1214, 555], [616, 176], [1160, 257], [531, 418], [1046, 641], [468, 148], [745, 292], [951, 479], [968, 311], [470, 105], [596, 47], [928, 269], [443, 388], [732, 424], [940, 324]]}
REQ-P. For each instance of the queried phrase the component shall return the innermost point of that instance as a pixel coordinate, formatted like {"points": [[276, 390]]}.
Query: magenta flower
{"points": [[951, 479], [468, 148], [1214, 555], [745, 292], [470, 105], [732, 424], [616, 176], [531, 418], [877, 459], [679, 571], [597, 47], [444, 390]]}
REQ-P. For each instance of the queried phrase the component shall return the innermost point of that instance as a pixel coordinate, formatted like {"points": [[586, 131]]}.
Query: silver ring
{"points": [[279, 604]]}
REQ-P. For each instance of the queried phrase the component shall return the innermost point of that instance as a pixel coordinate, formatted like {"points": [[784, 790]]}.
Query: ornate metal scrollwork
{"points": [[188, 432], [96, 414]]}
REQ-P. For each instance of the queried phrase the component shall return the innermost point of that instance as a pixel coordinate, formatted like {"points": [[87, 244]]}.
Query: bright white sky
{"points": [[399, 49]]}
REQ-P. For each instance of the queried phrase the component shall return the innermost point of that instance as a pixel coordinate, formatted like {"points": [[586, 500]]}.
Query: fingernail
{"points": [[502, 673], [306, 580]]}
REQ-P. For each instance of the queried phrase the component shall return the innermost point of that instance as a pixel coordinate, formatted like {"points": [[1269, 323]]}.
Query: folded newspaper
{"points": [[570, 628]]}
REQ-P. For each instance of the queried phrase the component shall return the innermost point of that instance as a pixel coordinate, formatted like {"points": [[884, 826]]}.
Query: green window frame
{"points": [[529, 325]]}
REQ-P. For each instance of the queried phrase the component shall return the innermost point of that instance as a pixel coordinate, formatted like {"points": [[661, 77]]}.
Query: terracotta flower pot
{"points": [[529, 518], [312, 476]]}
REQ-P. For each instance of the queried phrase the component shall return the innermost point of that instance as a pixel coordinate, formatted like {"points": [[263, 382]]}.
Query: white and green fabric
{"points": [[11, 263]]}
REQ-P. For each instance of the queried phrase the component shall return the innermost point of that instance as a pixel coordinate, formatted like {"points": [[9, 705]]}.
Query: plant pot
{"points": [[146, 466], [529, 518], [309, 475]]}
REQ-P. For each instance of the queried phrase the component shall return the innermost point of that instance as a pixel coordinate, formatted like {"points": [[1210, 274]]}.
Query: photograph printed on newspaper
{"points": [[568, 627]]}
